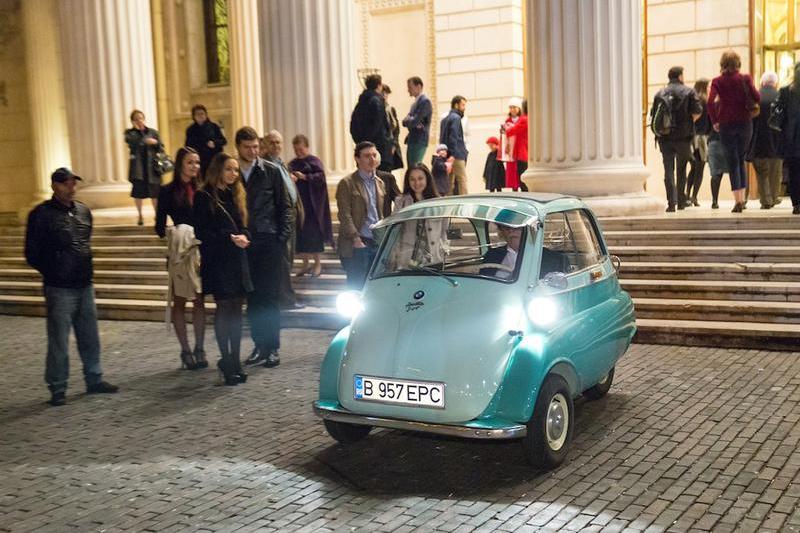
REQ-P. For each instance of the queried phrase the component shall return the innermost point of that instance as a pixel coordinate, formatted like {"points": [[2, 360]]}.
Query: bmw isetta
{"points": [[483, 317]]}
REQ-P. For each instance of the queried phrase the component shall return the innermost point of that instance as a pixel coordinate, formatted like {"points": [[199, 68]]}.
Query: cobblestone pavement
{"points": [[688, 438]]}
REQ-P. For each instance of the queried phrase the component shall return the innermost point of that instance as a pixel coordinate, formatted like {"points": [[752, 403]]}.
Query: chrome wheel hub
{"points": [[557, 422]]}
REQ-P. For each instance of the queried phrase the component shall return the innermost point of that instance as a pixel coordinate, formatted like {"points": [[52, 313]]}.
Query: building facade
{"points": [[72, 70]]}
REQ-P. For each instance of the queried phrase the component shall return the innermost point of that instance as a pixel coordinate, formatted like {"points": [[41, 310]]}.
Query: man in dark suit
{"points": [[270, 222], [505, 256], [369, 121], [418, 122]]}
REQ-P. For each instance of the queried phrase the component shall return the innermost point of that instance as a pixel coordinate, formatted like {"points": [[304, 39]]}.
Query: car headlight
{"points": [[349, 304], [542, 311]]}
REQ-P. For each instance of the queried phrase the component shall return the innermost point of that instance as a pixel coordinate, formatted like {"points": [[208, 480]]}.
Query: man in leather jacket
{"points": [[57, 245], [270, 223]]}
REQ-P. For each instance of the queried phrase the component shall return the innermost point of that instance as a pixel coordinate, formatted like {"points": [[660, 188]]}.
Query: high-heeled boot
{"points": [[227, 371]]}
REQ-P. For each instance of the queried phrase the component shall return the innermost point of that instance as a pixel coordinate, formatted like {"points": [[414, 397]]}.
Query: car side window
{"points": [[570, 243]]}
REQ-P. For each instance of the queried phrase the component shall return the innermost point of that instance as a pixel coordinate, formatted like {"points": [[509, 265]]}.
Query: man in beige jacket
{"points": [[359, 198]]}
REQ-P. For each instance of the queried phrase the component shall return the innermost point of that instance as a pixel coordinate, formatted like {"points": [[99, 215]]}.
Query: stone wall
{"points": [[479, 55], [691, 33], [16, 140]]}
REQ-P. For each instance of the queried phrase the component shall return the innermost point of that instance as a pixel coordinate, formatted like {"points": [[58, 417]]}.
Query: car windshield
{"points": [[451, 247]]}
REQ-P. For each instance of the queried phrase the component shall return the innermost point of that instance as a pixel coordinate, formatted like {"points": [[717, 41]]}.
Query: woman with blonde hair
{"points": [[220, 215], [732, 103]]}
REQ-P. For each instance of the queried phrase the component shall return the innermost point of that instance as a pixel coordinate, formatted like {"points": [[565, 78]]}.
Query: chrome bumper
{"points": [[509, 432]]}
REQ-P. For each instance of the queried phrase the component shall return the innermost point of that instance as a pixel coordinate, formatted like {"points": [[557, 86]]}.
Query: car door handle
{"points": [[597, 274]]}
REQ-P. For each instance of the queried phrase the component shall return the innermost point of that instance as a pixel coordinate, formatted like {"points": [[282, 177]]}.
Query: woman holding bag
{"points": [[144, 143], [732, 104]]}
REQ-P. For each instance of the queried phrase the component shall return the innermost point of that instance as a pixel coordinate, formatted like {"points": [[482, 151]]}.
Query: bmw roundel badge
{"points": [[419, 295]]}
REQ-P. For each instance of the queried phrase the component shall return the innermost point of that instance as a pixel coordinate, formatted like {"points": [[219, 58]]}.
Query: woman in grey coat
{"points": [[144, 143]]}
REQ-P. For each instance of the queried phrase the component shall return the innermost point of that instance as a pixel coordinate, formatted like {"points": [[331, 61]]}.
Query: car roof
{"points": [[517, 209]]}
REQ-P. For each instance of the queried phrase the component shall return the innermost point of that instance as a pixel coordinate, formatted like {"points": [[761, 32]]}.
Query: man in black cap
{"points": [[57, 245]]}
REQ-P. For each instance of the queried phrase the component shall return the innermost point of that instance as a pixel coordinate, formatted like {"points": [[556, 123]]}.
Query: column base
{"points": [[609, 191], [105, 195]]}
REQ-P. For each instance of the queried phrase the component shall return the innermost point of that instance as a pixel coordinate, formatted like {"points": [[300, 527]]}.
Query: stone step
{"points": [[718, 310], [97, 240], [704, 238], [708, 254], [750, 220], [155, 311], [311, 296], [719, 334], [771, 291], [710, 271]]}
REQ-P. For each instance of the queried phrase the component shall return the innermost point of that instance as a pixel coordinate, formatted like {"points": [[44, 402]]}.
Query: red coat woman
{"points": [[516, 130]]}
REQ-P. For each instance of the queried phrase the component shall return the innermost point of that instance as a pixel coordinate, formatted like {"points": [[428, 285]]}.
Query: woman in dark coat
{"points": [[220, 216], [175, 201], [204, 136], [309, 177], [144, 143], [789, 103], [394, 128]]}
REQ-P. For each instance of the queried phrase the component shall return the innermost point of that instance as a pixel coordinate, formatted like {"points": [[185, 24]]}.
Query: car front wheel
{"points": [[346, 433], [550, 427], [601, 388]]}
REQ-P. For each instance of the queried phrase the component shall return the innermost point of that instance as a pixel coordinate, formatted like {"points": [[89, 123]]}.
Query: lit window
{"points": [[218, 65]]}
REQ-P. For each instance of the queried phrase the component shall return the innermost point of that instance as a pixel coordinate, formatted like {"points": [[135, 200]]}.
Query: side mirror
{"points": [[615, 260], [556, 280]]}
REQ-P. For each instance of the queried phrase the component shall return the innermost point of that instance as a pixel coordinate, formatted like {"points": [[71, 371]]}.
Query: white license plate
{"points": [[399, 391]]}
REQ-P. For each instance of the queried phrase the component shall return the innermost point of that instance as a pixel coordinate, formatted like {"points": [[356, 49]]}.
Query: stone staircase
{"points": [[709, 280], [712, 280]]}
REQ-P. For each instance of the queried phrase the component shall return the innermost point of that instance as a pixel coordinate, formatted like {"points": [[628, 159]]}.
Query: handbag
{"points": [[162, 163], [777, 116], [752, 106]]}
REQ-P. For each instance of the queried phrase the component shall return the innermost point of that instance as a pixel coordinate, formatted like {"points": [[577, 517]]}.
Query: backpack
{"points": [[664, 119]]}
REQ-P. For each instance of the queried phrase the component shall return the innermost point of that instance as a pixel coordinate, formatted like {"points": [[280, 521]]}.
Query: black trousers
{"points": [[676, 155], [265, 254], [794, 180]]}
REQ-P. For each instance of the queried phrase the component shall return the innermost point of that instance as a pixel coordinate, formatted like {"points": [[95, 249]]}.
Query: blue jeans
{"points": [[735, 137], [71, 308], [358, 265]]}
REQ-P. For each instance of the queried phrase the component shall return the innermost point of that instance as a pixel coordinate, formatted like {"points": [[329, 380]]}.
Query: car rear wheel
{"points": [[550, 428], [346, 433], [601, 388]]}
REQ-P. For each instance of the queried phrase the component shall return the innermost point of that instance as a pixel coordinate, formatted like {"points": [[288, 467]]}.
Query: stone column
{"points": [[45, 93], [108, 70], [585, 97], [309, 76], [247, 103]]}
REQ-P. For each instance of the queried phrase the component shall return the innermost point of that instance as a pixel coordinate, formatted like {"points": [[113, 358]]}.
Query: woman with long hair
{"points": [[220, 214], [702, 127], [789, 104], [732, 103], [422, 241], [175, 201]]}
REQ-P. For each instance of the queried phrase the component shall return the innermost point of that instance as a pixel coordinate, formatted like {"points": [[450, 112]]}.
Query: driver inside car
{"points": [[505, 255]]}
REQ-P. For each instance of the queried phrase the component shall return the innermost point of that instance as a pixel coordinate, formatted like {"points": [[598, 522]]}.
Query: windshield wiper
{"points": [[430, 270]]}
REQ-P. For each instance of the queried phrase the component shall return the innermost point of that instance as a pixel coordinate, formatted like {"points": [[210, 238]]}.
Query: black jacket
{"points": [[57, 243], [392, 191], [369, 122], [171, 204], [223, 265], [765, 140], [789, 100], [687, 104], [197, 135], [142, 155], [451, 133], [268, 204]]}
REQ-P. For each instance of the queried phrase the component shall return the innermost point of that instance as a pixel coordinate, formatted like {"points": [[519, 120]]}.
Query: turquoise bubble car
{"points": [[482, 317]]}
